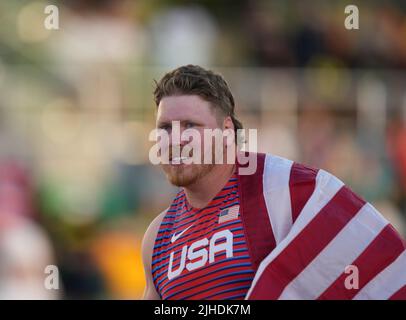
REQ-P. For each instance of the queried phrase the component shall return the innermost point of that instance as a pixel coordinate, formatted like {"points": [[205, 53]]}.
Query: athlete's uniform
{"points": [[285, 232], [202, 254]]}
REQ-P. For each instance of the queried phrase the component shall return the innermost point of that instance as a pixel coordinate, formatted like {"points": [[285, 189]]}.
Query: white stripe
{"points": [[387, 282], [326, 187], [276, 191], [341, 252]]}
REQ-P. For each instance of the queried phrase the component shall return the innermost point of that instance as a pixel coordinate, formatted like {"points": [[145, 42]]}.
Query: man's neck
{"points": [[203, 191]]}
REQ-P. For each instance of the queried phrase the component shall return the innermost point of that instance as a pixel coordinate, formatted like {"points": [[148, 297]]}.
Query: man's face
{"points": [[192, 112]]}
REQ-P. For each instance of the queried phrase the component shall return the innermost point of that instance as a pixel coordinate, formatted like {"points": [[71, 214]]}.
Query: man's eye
{"points": [[165, 127]]}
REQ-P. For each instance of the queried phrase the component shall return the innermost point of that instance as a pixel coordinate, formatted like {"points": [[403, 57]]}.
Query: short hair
{"points": [[195, 80]]}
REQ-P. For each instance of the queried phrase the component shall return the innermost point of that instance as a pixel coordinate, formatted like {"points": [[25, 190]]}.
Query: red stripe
{"points": [[254, 215], [380, 253], [199, 278], [399, 295], [307, 244], [302, 182], [217, 292], [203, 289]]}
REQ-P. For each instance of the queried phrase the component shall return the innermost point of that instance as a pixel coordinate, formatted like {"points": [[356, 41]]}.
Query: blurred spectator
{"points": [[25, 249], [181, 34], [25, 252]]}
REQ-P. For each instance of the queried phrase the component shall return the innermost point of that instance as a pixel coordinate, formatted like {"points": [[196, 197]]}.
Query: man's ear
{"points": [[228, 128], [228, 123]]}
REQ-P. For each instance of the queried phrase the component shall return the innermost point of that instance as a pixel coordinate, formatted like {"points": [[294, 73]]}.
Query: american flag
{"points": [[229, 214], [315, 230]]}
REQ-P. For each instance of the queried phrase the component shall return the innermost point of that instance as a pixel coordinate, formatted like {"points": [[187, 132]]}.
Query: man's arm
{"points": [[150, 292]]}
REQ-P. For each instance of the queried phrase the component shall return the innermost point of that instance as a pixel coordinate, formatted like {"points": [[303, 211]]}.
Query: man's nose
{"points": [[178, 138], [184, 139]]}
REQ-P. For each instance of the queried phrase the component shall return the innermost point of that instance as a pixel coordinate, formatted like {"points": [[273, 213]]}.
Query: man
{"points": [[286, 231]]}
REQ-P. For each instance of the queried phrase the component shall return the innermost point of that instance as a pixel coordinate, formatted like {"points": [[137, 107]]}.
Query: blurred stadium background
{"points": [[76, 109]]}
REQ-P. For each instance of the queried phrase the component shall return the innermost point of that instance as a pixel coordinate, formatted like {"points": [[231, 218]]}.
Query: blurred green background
{"points": [[76, 186]]}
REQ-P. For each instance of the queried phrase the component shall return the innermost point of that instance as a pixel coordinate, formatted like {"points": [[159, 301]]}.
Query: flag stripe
{"points": [[277, 195], [400, 294], [321, 227], [318, 275], [257, 228], [287, 260], [381, 252], [387, 282], [301, 184]]}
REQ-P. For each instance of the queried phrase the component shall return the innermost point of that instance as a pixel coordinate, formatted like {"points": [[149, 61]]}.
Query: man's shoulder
{"points": [[152, 231], [275, 167], [268, 162], [156, 223]]}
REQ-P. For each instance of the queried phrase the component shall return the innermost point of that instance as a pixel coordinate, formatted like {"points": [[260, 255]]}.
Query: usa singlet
{"points": [[202, 253]]}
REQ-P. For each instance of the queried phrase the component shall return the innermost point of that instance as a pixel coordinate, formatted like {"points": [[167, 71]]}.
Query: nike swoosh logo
{"points": [[177, 236]]}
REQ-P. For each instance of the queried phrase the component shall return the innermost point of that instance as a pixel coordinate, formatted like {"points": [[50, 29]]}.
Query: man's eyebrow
{"points": [[167, 122], [163, 122]]}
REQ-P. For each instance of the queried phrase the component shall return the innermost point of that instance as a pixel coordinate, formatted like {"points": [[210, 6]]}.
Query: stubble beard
{"points": [[186, 175]]}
